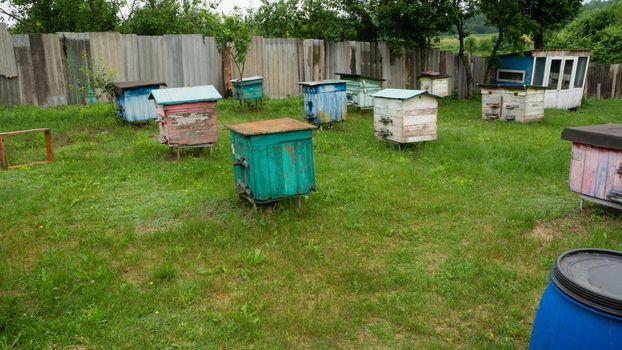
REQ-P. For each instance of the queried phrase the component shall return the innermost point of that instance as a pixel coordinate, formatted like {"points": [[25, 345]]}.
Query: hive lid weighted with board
{"points": [[592, 277], [270, 126]]}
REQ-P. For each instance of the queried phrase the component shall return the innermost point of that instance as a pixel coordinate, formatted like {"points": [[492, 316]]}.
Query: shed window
{"points": [[568, 65], [514, 76], [538, 78], [581, 66], [554, 74]]}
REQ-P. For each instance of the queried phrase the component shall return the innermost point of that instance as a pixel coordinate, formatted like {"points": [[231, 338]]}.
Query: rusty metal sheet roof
{"points": [[321, 82], [401, 94], [270, 126], [8, 65], [181, 95]]}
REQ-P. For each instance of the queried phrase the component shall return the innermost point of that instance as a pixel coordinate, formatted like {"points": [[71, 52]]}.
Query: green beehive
{"points": [[248, 89], [272, 159], [360, 88]]}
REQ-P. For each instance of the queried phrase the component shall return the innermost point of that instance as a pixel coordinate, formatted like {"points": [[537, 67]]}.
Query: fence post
{"points": [[598, 91]]}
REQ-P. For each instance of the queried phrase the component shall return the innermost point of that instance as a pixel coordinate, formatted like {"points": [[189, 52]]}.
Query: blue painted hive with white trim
{"points": [[405, 116], [325, 101], [132, 99]]}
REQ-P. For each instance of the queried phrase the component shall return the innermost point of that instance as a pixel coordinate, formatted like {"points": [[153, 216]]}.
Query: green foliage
{"points": [[545, 15], [233, 35], [598, 28], [413, 23], [314, 19], [158, 17], [50, 16], [117, 244]]}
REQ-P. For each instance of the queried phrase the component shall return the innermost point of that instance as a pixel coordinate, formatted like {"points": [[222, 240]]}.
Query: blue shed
{"points": [[562, 72], [132, 99], [325, 101]]}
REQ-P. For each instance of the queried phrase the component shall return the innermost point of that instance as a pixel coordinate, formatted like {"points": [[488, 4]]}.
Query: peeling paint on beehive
{"points": [[325, 101]]}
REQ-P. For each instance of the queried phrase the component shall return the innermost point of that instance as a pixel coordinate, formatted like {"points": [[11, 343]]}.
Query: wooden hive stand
{"points": [[48, 146]]}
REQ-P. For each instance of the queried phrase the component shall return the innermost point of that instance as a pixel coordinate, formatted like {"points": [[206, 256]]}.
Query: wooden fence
{"points": [[49, 69], [604, 80]]}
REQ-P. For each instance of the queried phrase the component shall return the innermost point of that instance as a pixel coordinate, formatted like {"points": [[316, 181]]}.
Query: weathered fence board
{"points": [[76, 60], [8, 66]]}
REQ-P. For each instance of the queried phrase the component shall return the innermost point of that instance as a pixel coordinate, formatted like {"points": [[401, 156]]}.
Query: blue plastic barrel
{"points": [[581, 307]]}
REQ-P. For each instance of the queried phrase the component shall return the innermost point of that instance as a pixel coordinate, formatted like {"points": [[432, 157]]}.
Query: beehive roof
{"points": [[402, 94], [321, 82], [122, 85], [247, 79], [180, 95], [270, 126], [600, 135]]}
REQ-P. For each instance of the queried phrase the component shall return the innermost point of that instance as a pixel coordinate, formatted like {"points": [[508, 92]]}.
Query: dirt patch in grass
{"points": [[546, 231]]}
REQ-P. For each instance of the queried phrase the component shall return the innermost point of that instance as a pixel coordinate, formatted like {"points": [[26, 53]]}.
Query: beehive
{"points": [[132, 98], [360, 88], [187, 116], [521, 103], [272, 159], [435, 83], [405, 116], [249, 89], [595, 164], [325, 101]]}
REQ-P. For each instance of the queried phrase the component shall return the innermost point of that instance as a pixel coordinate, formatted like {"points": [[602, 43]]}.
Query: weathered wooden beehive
{"points": [[360, 88], [187, 116], [325, 101], [132, 99], [272, 159], [521, 103], [405, 116], [596, 163], [434, 82]]}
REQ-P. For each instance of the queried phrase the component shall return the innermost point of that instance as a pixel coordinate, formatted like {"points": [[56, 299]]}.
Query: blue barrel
{"points": [[581, 307]]}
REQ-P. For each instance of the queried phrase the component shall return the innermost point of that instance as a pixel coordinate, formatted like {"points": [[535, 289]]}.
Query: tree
{"points": [[158, 17], [598, 28], [412, 23], [233, 35], [461, 11], [361, 16], [505, 15], [277, 19], [49, 16], [546, 15]]}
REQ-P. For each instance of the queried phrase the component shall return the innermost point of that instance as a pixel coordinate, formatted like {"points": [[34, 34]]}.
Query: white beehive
{"points": [[521, 103], [435, 83], [405, 116]]}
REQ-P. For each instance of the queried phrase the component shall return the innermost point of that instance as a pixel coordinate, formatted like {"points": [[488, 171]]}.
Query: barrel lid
{"points": [[592, 277]]}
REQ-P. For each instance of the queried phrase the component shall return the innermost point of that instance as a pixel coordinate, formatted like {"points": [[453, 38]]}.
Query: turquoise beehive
{"points": [[325, 101], [272, 159]]}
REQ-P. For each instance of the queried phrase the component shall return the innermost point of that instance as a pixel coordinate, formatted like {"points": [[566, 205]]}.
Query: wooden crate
{"points": [[405, 116], [596, 162], [522, 104]]}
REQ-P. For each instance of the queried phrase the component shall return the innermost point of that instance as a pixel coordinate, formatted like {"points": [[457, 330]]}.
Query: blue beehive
{"points": [[325, 101], [272, 159], [132, 98]]}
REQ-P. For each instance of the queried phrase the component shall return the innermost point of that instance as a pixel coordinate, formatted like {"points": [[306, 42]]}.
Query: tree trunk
{"points": [[464, 58], [538, 40], [227, 71], [492, 60]]}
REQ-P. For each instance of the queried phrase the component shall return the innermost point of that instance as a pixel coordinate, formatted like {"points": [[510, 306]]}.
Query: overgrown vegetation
{"points": [[444, 245], [598, 28]]}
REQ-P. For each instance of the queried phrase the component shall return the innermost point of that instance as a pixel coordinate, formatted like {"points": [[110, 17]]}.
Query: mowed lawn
{"points": [[444, 245]]}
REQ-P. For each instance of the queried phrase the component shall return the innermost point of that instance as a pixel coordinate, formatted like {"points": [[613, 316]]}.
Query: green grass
{"points": [[444, 245]]}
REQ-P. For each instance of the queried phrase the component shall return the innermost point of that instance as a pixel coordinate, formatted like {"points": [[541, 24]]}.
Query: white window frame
{"points": [[511, 71]]}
